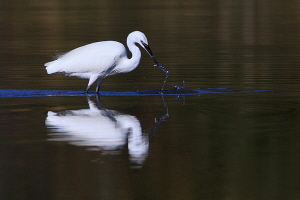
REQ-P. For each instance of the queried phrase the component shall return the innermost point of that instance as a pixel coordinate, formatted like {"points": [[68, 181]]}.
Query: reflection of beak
{"points": [[147, 48]]}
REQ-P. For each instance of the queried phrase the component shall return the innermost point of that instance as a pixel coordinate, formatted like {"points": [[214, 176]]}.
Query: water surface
{"points": [[233, 133]]}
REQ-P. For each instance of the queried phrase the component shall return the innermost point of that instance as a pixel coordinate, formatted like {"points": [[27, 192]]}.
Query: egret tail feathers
{"points": [[51, 67]]}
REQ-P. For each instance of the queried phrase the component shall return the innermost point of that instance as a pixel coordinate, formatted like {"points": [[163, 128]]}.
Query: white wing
{"points": [[93, 58]]}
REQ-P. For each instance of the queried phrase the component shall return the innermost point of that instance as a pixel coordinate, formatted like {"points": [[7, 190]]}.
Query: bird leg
{"points": [[99, 81], [87, 89], [91, 81], [97, 89]]}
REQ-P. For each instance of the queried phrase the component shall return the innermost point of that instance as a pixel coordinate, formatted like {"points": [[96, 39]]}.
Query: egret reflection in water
{"points": [[101, 129]]}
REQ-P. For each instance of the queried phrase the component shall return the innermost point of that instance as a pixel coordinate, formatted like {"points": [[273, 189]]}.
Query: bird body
{"points": [[88, 60], [101, 59]]}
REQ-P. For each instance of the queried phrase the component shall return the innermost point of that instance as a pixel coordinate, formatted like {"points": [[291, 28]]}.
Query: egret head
{"points": [[137, 37], [140, 38]]}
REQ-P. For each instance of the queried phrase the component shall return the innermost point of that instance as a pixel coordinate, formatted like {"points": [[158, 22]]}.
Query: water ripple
{"points": [[176, 91]]}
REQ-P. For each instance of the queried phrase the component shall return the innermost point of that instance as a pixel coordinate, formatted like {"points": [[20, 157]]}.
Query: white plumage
{"points": [[101, 59]]}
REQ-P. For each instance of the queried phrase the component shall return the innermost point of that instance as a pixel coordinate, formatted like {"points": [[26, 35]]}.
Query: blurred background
{"points": [[231, 44]]}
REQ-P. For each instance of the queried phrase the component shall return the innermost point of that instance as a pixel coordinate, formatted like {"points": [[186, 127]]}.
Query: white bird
{"points": [[98, 60]]}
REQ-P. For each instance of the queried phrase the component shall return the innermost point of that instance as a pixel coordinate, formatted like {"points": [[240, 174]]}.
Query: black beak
{"points": [[150, 52], [146, 46]]}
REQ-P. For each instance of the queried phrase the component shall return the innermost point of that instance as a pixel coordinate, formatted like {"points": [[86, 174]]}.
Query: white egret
{"points": [[98, 60]]}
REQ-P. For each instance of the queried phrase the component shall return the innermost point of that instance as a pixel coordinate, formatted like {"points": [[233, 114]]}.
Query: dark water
{"points": [[225, 127]]}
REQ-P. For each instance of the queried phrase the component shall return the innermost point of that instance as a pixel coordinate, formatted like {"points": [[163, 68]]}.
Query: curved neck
{"points": [[128, 64], [134, 61]]}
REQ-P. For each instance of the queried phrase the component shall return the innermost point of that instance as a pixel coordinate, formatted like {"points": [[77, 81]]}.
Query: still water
{"points": [[237, 137]]}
